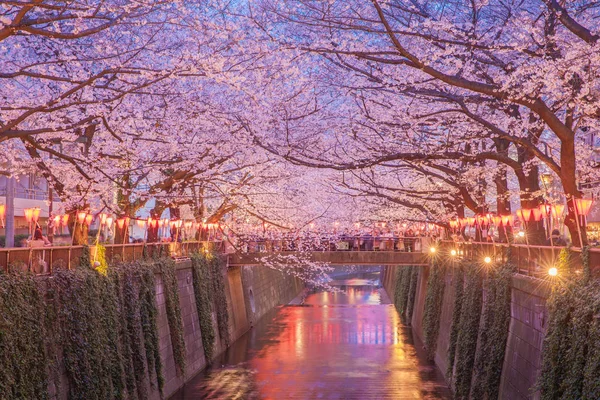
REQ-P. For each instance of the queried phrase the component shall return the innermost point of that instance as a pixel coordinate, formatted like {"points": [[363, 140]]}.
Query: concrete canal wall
{"points": [[528, 319], [250, 292]]}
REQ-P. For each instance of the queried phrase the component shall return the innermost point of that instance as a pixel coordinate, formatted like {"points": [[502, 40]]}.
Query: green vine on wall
{"points": [[166, 267], [459, 284], [493, 334], [571, 352], [220, 298], [23, 357], [412, 293], [405, 287], [468, 331], [103, 327], [201, 273], [433, 308]]}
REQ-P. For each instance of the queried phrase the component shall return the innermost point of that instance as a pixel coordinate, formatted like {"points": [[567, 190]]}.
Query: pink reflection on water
{"points": [[341, 347]]}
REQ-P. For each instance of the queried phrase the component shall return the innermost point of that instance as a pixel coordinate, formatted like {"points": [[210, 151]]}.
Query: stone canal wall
{"points": [[528, 320], [250, 293]]}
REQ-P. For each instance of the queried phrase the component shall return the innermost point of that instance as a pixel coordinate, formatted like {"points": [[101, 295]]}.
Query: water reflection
{"points": [[339, 346]]}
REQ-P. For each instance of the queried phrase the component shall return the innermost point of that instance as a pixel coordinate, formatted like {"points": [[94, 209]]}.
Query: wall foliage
{"points": [[166, 267], [23, 358], [103, 327], [220, 298], [433, 308], [459, 284], [468, 331], [493, 333], [571, 352], [201, 272], [405, 290]]}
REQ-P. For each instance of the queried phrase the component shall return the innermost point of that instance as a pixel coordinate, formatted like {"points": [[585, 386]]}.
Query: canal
{"points": [[347, 344]]}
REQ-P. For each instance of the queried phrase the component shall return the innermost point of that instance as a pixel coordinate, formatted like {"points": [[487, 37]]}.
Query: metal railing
{"points": [[338, 243], [44, 260], [530, 260]]}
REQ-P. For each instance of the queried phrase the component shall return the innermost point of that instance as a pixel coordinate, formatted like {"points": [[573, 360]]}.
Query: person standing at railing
{"points": [[556, 239], [409, 240]]}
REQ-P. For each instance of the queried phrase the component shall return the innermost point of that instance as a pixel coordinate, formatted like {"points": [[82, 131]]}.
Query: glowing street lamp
{"points": [[453, 253], [553, 271], [487, 260]]}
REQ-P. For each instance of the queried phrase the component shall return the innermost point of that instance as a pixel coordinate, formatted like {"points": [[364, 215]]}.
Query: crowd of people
{"points": [[365, 240]]}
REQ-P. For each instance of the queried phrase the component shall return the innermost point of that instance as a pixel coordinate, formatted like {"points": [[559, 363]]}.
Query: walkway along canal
{"points": [[348, 344]]}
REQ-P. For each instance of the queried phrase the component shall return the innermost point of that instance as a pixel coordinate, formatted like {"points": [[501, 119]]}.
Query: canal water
{"points": [[346, 344]]}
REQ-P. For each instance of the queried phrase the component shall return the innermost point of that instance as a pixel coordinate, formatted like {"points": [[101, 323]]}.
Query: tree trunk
{"points": [[529, 183], [79, 232], [568, 179]]}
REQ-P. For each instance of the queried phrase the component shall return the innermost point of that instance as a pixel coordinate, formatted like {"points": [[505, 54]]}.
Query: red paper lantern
{"points": [[81, 217], [88, 219], [121, 223], [497, 220], [537, 214], [471, 221], [65, 219], [546, 210], [583, 206], [520, 215], [526, 214], [508, 220]]}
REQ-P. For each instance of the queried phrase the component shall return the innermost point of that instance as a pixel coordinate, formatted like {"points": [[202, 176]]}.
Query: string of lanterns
{"points": [[582, 208]]}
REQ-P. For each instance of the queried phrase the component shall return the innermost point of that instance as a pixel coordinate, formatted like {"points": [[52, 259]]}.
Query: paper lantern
{"points": [[88, 219], [546, 210], [141, 223], [471, 221], [497, 220], [109, 222], [520, 215], [65, 219], [508, 220], [537, 214], [481, 220], [56, 220], [526, 214], [583, 206], [2, 211], [28, 214], [188, 225], [81, 217], [557, 210], [103, 218], [121, 223], [35, 214]]}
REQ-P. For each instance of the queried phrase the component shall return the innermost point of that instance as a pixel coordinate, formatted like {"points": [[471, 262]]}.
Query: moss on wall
{"points": [[433, 308]]}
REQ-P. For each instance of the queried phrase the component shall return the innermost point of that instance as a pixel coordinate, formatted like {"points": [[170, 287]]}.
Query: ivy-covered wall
{"points": [[490, 325], [119, 331], [571, 352], [102, 327]]}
